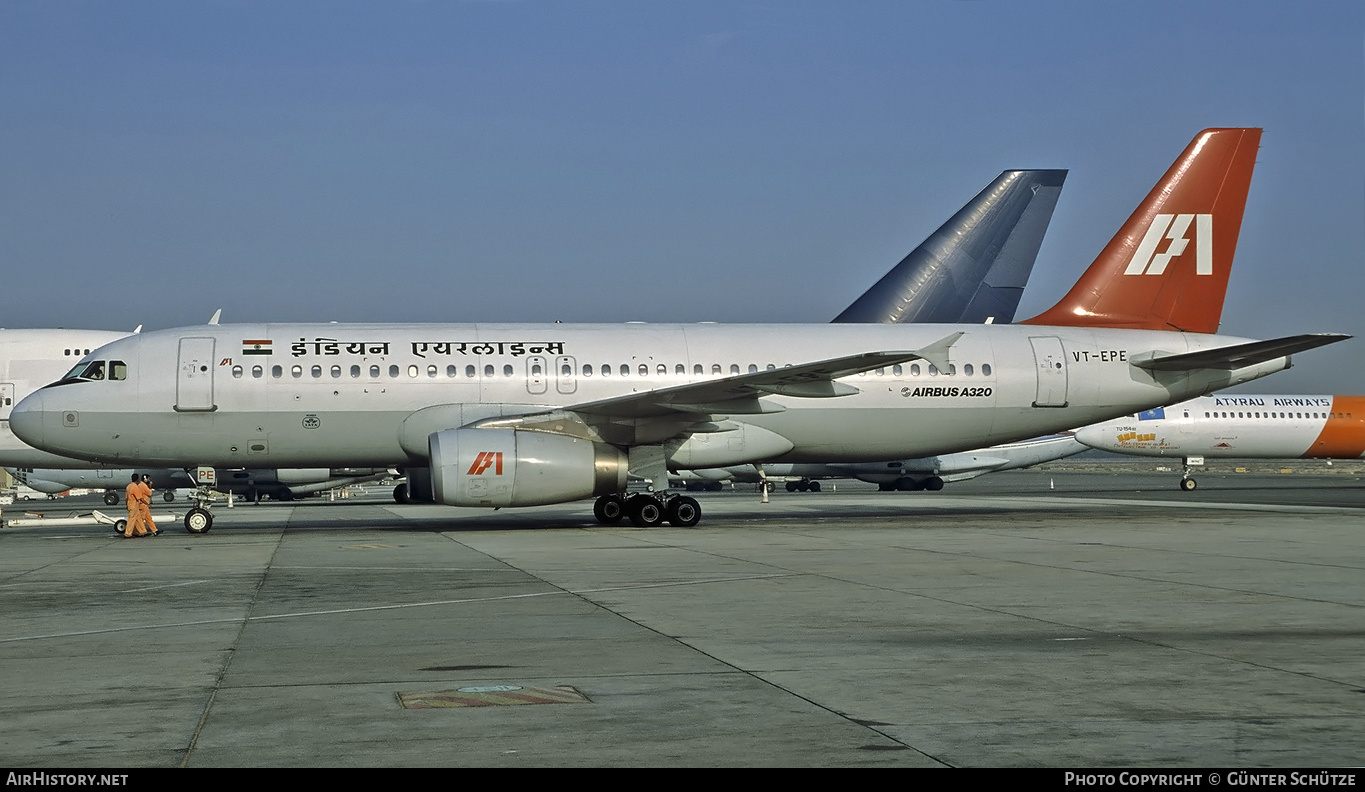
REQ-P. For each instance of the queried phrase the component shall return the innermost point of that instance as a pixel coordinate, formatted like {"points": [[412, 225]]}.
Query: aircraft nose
{"points": [[1092, 436], [26, 420]]}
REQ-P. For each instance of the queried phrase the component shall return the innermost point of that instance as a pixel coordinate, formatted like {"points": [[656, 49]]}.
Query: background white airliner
{"points": [[1238, 426]]}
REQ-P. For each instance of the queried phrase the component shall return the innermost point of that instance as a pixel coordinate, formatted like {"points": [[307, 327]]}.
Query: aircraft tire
{"points": [[933, 483], [645, 511], [792, 486], [1188, 484], [198, 521], [683, 512], [814, 486], [110, 499], [400, 494], [609, 509]]}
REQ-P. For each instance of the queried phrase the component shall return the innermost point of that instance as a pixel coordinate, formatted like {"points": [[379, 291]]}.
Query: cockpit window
{"points": [[95, 371]]}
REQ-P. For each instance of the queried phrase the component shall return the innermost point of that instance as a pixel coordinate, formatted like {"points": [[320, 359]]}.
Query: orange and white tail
{"points": [[1167, 268]]}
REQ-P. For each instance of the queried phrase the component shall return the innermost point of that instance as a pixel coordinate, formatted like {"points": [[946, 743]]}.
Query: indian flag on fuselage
{"points": [[256, 347]]}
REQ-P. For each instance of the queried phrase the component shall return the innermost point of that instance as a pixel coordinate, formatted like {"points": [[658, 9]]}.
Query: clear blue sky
{"points": [[661, 161]]}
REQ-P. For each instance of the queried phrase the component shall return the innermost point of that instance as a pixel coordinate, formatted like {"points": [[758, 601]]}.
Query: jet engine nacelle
{"points": [[505, 467]]}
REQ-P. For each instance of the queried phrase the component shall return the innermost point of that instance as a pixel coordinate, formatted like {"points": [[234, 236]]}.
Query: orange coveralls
{"points": [[146, 503], [133, 495]]}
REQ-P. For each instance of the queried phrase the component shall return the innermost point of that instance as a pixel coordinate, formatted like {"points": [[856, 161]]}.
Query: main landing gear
{"points": [[804, 485], [648, 510]]}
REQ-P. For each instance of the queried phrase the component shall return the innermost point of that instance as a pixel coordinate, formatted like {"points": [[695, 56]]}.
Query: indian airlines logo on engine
{"points": [[1174, 228], [484, 460]]}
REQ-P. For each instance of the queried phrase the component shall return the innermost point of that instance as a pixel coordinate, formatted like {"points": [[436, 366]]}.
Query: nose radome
{"points": [[26, 420], [1092, 436]]}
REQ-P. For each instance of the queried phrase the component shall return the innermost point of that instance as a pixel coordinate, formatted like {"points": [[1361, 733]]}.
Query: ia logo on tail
{"points": [[1146, 261]]}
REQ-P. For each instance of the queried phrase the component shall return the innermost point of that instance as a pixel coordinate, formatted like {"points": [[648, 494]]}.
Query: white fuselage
{"points": [[30, 359], [1240, 426], [348, 395]]}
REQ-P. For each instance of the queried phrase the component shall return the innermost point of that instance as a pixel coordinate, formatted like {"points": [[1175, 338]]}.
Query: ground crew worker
{"points": [[146, 503], [133, 494]]}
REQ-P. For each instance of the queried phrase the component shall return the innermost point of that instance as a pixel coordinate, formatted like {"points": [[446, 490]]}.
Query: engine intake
{"points": [[505, 467]]}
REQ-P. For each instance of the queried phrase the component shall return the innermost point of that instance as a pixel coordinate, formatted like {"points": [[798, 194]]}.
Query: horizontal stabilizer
{"points": [[1239, 356]]}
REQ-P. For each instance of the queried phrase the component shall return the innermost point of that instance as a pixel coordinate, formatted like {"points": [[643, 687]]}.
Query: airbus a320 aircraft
{"points": [[498, 415], [1238, 427]]}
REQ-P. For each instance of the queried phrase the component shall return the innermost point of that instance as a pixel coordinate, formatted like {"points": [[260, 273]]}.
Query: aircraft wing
{"points": [[741, 393], [653, 416], [1239, 355]]}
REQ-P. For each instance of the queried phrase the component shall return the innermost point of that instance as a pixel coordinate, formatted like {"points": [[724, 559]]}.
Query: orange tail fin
{"points": [[1167, 268]]}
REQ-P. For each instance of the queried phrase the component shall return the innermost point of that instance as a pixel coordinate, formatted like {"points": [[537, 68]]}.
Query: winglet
{"points": [[973, 269], [937, 352], [1167, 268], [213, 320]]}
